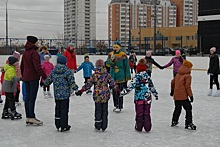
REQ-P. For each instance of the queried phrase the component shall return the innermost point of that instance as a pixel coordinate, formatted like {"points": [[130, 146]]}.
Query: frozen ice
{"points": [[120, 131]]}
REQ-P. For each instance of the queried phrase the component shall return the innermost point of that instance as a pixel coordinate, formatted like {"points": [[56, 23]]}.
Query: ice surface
{"points": [[120, 131]]}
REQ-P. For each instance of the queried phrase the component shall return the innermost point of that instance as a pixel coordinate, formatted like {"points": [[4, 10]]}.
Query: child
{"points": [[43, 51], [132, 62], [63, 81], [213, 71], [100, 79], [47, 67], [177, 61], [143, 86], [181, 90], [9, 87], [149, 62], [87, 67]]}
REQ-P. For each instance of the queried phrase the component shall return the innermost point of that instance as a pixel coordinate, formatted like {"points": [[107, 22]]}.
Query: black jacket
{"points": [[214, 64]]}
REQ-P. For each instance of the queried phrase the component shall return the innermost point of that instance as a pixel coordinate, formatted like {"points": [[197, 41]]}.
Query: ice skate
{"points": [[66, 129], [97, 130], [17, 104], [15, 115], [49, 94], [190, 126], [27, 121], [89, 91], [5, 114], [34, 121], [216, 94], [209, 92], [1, 100], [45, 95], [174, 123], [117, 110]]}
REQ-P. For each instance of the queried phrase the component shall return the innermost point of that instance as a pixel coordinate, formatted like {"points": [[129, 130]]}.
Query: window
{"points": [[192, 37], [178, 38], [187, 38]]}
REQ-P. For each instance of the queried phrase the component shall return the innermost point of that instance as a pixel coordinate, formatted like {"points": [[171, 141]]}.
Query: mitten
{"points": [[156, 97], [162, 67], [75, 71], [191, 99], [123, 92], [79, 93], [171, 92]]}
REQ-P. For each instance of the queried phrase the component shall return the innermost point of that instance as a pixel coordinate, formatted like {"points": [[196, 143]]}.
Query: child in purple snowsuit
{"points": [[177, 61], [143, 86]]}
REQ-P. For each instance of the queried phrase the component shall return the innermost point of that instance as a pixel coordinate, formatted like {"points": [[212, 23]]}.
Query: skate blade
{"points": [[32, 124]]}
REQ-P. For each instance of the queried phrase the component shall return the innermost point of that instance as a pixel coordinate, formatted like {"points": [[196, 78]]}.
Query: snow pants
{"points": [[101, 116], [61, 113]]}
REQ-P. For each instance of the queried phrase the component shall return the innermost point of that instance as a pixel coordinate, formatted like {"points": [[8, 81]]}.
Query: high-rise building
{"points": [[80, 21], [130, 14], [208, 25], [187, 12]]}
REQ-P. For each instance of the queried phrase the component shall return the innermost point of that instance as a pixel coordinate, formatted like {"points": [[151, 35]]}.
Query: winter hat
{"points": [[99, 63], [16, 54], [86, 56], [178, 53], [213, 49], [43, 47], [71, 44], [141, 65], [132, 52], [117, 44], [61, 60], [32, 39], [12, 60], [46, 56], [187, 63]]}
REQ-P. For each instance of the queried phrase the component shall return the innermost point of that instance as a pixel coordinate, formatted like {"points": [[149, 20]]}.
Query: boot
{"points": [[139, 123], [57, 123], [174, 123], [5, 114], [147, 123], [66, 129], [49, 94], [1, 99], [35, 121], [117, 110], [15, 115], [216, 94], [190, 126], [17, 104], [209, 92]]}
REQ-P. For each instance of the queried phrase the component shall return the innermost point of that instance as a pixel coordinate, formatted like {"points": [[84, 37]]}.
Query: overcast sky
{"points": [[31, 17]]}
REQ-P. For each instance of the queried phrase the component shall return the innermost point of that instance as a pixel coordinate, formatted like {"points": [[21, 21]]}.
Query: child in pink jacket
{"points": [[47, 67]]}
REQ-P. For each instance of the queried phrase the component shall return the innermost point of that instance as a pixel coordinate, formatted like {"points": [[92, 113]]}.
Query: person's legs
{"points": [[57, 113], [27, 101], [98, 116], [104, 115], [17, 95], [216, 81], [11, 101], [188, 108], [33, 95], [7, 101], [64, 114], [211, 81], [177, 111], [24, 91], [147, 118], [139, 109]]}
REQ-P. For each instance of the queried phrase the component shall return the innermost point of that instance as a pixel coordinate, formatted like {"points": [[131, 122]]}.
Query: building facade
{"points": [[208, 25], [80, 21], [187, 12], [124, 15]]}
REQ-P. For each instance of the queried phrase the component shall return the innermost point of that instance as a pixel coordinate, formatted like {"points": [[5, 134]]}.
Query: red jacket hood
{"points": [[29, 46], [184, 70]]}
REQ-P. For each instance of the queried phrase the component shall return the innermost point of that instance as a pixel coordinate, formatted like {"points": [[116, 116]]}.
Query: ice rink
{"points": [[120, 131]]}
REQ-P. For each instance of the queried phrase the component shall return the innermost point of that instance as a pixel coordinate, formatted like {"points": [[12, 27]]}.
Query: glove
{"points": [[123, 92], [191, 99], [171, 92], [79, 93], [75, 71], [211, 74], [156, 97], [162, 67]]}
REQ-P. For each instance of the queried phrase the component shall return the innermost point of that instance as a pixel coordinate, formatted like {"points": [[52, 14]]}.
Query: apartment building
{"points": [[131, 14], [187, 12], [80, 21]]}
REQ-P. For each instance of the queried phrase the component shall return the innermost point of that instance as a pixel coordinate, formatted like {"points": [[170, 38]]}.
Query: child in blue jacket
{"points": [[87, 67], [63, 81]]}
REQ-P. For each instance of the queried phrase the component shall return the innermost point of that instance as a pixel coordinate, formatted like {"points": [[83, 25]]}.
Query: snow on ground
{"points": [[120, 131]]}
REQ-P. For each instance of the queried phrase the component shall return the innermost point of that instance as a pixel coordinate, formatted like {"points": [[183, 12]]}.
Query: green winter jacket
{"points": [[10, 79], [119, 66]]}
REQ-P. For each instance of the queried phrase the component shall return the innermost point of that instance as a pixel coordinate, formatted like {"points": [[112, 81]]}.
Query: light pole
{"points": [[155, 27], [6, 4]]}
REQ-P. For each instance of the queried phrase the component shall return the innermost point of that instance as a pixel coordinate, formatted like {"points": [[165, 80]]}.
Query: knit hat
{"points": [[86, 56], [178, 53], [12, 60], [99, 63], [118, 44], [141, 65], [71, 44], [32, 39], [46, 56], [61, 60], [213, 49], [16, 54], [187, 63]]}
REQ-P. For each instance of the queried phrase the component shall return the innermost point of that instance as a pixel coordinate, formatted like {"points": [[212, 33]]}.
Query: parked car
{"points": [[193, 51], [164, 51]]}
